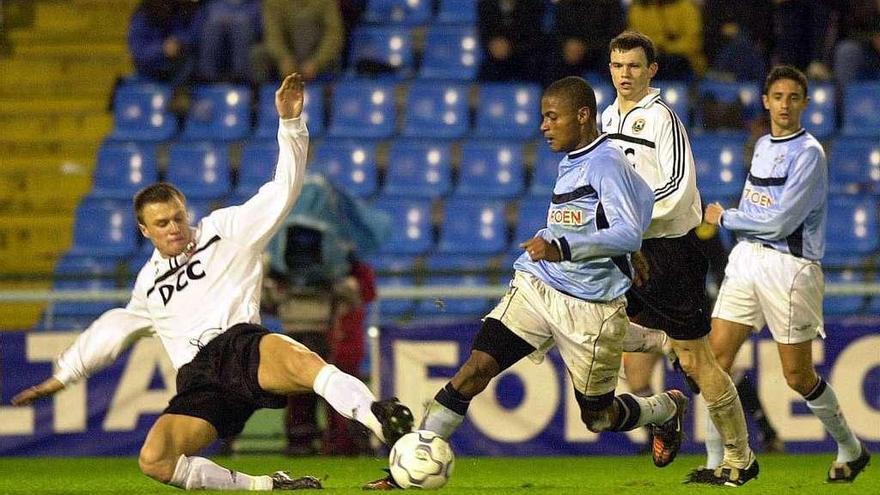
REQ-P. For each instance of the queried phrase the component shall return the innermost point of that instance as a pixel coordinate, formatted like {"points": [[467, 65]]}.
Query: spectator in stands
{"points": [[230, 29], [676, 26], [162, 39], [511, 37], [581, 33], [304, 36], [738, 38], [803, 36], [857, 55]]}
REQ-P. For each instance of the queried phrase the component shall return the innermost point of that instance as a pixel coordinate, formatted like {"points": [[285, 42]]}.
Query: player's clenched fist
{"points": [[289, 97]]}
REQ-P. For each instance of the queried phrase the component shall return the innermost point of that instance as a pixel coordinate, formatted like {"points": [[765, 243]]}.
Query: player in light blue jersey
{"points": [[569, 283], [774, 276]]}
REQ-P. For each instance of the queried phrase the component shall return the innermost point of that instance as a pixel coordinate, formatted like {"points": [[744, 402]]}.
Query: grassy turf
{"points": [[801, 474]]}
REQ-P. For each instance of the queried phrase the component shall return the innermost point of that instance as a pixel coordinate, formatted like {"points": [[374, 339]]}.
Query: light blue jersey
{"points": [[785, 199], [600, 209]]}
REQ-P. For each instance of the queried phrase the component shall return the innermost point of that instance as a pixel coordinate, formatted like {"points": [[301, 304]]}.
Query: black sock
{"points": [[452, 399]]}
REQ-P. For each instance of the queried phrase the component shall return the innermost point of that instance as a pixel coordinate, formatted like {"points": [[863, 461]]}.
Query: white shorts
{"points": [[764, 286], [589, 334]]}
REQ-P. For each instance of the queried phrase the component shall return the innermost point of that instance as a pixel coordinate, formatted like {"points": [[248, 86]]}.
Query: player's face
{"points": [[631, 73], [562, 125], [786, 102], [166, 225]]}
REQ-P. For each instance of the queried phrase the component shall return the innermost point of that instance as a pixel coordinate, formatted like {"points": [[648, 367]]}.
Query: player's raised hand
{"points": [[289, 97], [29, 395]]}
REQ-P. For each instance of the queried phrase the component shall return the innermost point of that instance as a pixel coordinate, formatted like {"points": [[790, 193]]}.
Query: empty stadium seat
{"points": [[258, 160], [861, 109], [413, 232], [473, 226], [843, 305], [312, 114], [451, 52], [219, 112], [721, 171], [435, 109], [418, 169], [363, 109], [491, 169], [199, 169], [531, 216], [602, 89], [457, 12], [852, 225], [820, 118], [854, 165], [123, 168], [407, 12], [456, 270], [545, 171], [384, 51], [84, 273], [508, 110], [349, 165], [140, 113], [104, 227]]}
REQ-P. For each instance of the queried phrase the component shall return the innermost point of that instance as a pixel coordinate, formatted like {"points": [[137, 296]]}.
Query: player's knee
{"points": [[801, 381], [155, 465], [477, 372]]}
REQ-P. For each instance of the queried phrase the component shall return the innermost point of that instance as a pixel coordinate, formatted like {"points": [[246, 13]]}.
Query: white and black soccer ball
{"points": [[421, 459]]}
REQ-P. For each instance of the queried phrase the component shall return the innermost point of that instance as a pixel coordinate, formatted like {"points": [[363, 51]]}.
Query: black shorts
{"points": [[220, 384], [674, 297]]}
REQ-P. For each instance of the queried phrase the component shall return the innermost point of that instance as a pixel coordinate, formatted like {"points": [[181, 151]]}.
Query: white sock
{"points": [[727, 414], [823, 402], [714, 445], [441, 420], [656, 409], [643, 339], [198, 473], [348, 396]]}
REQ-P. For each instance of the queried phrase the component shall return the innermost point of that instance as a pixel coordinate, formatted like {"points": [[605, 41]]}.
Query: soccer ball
{"points": [[421, 459]]}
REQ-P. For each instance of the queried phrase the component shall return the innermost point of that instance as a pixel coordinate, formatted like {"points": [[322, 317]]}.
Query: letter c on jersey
{"points": [[192, 272]]}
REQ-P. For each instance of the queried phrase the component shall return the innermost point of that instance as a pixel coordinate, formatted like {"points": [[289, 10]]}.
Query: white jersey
{"points": [[192, 298], [655, 141]]}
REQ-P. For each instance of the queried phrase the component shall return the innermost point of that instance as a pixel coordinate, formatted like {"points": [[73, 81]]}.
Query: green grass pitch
{"points": [[800, 474]]}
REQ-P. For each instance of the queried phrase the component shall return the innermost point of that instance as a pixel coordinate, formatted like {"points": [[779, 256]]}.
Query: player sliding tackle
{"points": [[228, 365], [569, 285]]}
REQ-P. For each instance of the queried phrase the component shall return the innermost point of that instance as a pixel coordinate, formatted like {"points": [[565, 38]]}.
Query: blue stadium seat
{"points": [[531, 217], [675, 94], [312, 114], [843, 305], [436, 109], [81, 273], [491, 169], [197, 209], [258, 160], [747, 94], [406, 12], [413, 232], [104, 227], [123, 168], [199, 169], [507, 110], [349, 165], [457, 270], [861, 109], [140, 113], [387, 46], [603, 90], [545, 171], [854, 165], [457, 12], [852, 225], [363, 109], [451, 52], [820, 119], [473, 226], [219, 112], [418, 169], [721, 171]]}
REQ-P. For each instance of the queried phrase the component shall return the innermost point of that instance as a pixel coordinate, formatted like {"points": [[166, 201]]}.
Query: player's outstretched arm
{"points": [[48, 387], [289, 97]]}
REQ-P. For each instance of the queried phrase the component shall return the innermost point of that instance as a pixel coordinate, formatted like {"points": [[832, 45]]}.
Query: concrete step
{"points": [[72, 125], [23, 316], [31, 243], [42, 191], [43, 36], [72, 16], [71, 50], [51, 105], [47, 149]]}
